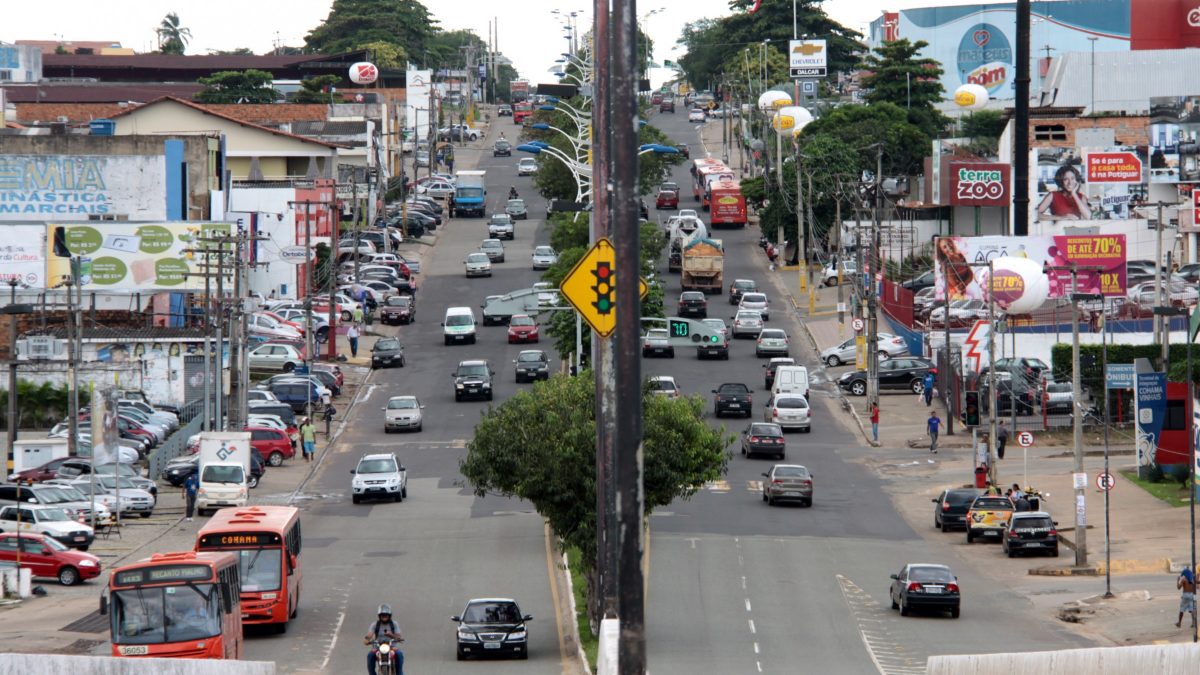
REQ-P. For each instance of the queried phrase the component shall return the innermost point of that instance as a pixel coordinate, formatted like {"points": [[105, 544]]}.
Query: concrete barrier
{"points": [[57, 664], [1173, 659]]}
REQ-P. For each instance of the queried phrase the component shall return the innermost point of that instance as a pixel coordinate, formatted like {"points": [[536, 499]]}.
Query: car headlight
{"points": [[87, 563], [516, 635], [202, 492], [467, 636], [485, 385], [458, 385], [241, 492]]}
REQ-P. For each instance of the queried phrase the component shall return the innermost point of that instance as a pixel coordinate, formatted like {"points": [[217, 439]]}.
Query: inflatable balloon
{"points": [[772, 100], [971, 96], [1019, 285]]}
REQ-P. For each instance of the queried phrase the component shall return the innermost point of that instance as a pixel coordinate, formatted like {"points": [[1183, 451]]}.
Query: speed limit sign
{"points": [[857, 325], [1025, 439], [1104, 481]]}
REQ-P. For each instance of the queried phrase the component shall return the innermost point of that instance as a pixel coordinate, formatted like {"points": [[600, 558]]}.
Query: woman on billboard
{"points": [[959, 277], [1068, 202]]}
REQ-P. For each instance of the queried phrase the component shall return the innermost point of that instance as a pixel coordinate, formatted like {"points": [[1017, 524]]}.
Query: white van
{"points": [[790, 380], [459, 325]]}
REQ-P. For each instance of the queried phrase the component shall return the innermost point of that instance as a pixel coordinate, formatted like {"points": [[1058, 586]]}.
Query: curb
{"points": [[1136, 566]]}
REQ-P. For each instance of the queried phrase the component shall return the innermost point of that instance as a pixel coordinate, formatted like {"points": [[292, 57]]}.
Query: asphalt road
{"points": [[428, 555]]}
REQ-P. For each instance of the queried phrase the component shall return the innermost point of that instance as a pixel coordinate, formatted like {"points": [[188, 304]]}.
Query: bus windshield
{"points": [[157, 615], [261, 569]]}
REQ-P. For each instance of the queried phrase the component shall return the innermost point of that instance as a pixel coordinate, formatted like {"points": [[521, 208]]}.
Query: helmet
{"points": [[385, 609]]}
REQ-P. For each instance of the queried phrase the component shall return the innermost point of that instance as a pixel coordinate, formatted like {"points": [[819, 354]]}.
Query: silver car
{"points": [[771, 342], [501, 226], [888, 346], [756, 301], [747, 323], [788, 482], [283, 358], [402, 412], [527, 166], [516, 209], [477, 265], [789, 411], [494, 249], [544, 257]]}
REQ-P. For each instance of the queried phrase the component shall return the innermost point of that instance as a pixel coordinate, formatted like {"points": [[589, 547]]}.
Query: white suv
{"points": [[379, 476]]}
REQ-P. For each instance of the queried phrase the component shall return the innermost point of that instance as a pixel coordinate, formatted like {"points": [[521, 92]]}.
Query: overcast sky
{"points": [[529, 34]]}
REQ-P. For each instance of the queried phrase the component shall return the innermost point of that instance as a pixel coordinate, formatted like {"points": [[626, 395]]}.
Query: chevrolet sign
{"points": [[807, 58]]}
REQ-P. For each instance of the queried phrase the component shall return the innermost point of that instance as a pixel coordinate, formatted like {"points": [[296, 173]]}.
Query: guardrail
{"points": [[174, 446]]}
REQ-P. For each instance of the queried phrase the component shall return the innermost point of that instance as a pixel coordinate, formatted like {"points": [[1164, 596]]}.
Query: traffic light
{"points": [[971, 413], [679, 328], [603, 288]]}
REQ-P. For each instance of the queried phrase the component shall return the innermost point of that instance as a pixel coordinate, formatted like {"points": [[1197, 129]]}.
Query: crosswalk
{"points": [[722, 486]]}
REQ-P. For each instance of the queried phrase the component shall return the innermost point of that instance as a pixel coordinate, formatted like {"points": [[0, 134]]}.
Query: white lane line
{"points": [[370, 390], [747, 604], [756, 647], [886, 653], [333, 643], [752, 631]]}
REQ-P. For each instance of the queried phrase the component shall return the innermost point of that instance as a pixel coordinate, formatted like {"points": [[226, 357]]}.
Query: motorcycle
{"points": [[512, 194], [385, 656]]}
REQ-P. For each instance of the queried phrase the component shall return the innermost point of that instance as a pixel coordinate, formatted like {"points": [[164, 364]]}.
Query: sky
{"points": [[528, 33]]}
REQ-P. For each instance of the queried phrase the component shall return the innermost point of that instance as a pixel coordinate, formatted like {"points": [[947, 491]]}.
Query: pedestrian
{"points": [[358, 311], [352, 335], [992, 490], [190, 487], [1186, 583], [928, 390], [1017, 492], [330, 411], [450, 164], [932, 427], [308, 436], [1001, 440], [875, 421]]}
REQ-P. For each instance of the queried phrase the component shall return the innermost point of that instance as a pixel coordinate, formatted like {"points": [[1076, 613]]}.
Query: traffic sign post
{"points": [[857, 325], [590, 287], [1105, 481], [1025, 440]]}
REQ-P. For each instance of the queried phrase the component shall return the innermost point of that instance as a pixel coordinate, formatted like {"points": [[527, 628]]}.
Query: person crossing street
{"points": [[932, 426]]}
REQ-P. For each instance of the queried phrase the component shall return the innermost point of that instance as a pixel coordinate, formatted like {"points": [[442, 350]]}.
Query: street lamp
{"points": [[578, 143]]}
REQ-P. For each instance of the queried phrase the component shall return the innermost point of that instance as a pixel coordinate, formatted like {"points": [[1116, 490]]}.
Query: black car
{"points": [[763, 438], [894, 374], [950, 507], [493, 319], [398, 309], [925, 587], [532, 364], [502, 149], [1008, 388], [693, 304], [770, 366], [473, 379], [916, 284], [1030, 531], [733, 398], [492, 626], [740, 286], [387, 352]]}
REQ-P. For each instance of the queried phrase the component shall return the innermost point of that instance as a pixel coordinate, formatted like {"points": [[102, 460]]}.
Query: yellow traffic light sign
{"points": [[590, 287]]}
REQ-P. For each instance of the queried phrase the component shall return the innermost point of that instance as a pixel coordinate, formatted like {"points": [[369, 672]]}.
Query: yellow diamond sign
{"points": [[590, 287]]}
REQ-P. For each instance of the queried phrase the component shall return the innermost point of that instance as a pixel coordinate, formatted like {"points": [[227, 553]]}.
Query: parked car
{"points": [[887, 346], [47, 557], [925, 586], [894, 374], [491, 626], [1030, 531], [788, 482], [763, 438], [848, 268], [277, 357], [1058, 398], [50, 521], [273, 444], [951, 506]]}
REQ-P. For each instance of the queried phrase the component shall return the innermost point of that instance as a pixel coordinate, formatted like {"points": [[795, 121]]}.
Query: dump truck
{"points": [[470, 194], [680, 232], [703, 264]]}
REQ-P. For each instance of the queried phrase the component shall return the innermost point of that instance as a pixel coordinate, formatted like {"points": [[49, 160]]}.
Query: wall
{"points": [[56, 664], [1175, 659], [23, 63], [277, 221]]}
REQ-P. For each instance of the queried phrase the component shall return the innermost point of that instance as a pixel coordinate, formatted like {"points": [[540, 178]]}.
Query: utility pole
{"points": [[1077, 435], [1021, 123], [72, 367], [1161, 324], [236, 336], [213, 365], [874, 260], [993, 397], [12, 370]]}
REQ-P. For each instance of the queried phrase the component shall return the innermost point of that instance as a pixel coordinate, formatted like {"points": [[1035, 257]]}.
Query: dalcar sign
{"points": [[979, 184]]}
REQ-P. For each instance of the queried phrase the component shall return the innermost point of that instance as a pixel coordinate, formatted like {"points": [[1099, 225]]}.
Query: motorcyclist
{"points": [[512, 192], [384, 627]]}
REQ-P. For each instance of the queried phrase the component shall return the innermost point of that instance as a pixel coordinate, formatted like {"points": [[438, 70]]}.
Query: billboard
{"points": [[1076, 184], [1175, 139], [979, 183], [131, 256], [955, 277], [79, 187], [23, 254], [807, 58]]}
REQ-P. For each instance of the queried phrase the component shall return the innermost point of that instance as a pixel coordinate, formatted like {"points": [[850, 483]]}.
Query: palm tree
{"points": [[172, 38]]}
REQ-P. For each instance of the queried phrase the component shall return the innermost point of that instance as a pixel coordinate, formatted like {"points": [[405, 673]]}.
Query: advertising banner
{"points": [[807, 58], [23, 254], [1088, 184], [133, 256], [1151, 406], [77, 187], [954, 275], [979, 184], [105, 436], [1175, 139]]}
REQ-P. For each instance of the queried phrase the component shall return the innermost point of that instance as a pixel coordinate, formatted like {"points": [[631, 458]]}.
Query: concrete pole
{"points": [[1077, 436], [992, 393], [219, 322], [874, 264], [72, 401], [1161, 322], [12, 375]]}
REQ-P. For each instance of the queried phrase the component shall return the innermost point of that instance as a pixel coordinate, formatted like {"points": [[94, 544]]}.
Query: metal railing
{"points": [[175, 444]]}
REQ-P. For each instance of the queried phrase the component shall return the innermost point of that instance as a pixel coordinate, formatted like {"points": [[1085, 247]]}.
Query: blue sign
{"points": [[985, 57], [1119, 376], [1151, 402]]}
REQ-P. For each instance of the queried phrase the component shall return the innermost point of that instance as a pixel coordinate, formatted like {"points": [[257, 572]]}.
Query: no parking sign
{"points": [[1025, 439]]}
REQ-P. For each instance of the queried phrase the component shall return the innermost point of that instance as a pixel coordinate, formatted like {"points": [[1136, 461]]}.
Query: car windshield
{"points": [[773, 334], [492, 612], [749, 316], [692, 295], [1033, 521], [791, 472], [930, 574], [663, 385], [110, 482], [657, 334], [516, 203], [52, 495], [744, 285], [765, 430], [791, 402], [52, 515], [521, 321], [399, 301], [145, 616], [1056, 388], [528, 162], [961, 497], [753, 298], [119, 469], [460, 320], [477, 258], [473, 370], [714, 323], [216, 473], [543, 250], [501, 219], [71, 493], [402, 404], [380, 465], [530, 357], [387, 344], [491, 243]]}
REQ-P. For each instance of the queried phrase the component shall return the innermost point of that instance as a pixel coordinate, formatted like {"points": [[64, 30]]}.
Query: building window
{"points": [[1049, 132], [5, 75], [109, 216]]}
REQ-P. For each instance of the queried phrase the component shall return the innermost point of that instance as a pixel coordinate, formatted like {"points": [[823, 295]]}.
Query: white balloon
{"points": [[772, 100], [971, 96], [364, 73], [1018, 285], [791, 119]]}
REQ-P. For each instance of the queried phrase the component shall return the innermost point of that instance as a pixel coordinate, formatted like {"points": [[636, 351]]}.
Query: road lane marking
{"points": [[748, 604], [719, 485], [752, 631], [885, 652]]}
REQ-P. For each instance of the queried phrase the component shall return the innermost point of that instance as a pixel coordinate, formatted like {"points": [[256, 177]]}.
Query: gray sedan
{"points": [[788, 482], [888, 346], [516, 209]]}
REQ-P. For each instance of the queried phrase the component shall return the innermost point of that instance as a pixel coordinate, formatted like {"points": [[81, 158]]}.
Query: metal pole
{"points": [[12, 376], [628, 363], [1080, 493], [1160, 320], [946, 377], [235, 342], [72, 402], [309, 278], [1107, 421], [219, 322], [1021, 124], [801, 224], [207, 426], [992, 394], [874, 263]]}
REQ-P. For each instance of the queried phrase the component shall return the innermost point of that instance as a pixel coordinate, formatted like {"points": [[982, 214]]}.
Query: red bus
{"points": [[702, 167], [521, 112], [267, 541], [728, 205], [176, 605]]}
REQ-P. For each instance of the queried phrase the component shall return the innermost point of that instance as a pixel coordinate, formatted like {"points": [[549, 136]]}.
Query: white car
{"points": [[789, 411], [664, 385], [544, 257], [50, 521], [830, 274], [747, 323], [500, 226], [438, 189], [961, 311], [269, 421], [887, 346], [477, 264], [547, 294], [687, 213], [696, 115], [494, 248], [527, 166], [380, 476], [133, 500], [756, 301], [275, 357], [402, 412]]}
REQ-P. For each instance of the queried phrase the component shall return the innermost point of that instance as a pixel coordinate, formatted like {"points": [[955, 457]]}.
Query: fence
{"points": [[173, 447]]}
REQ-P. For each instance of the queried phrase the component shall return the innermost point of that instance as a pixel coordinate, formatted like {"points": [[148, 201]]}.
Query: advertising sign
{"points": [[954, 275], [132, 256], [23, 254], [1175, 139], [1088, 184], [808, 58], [75, 187], [1151, 406], [105, 436], [1112, 167], [1195, 207], [979, 184]]}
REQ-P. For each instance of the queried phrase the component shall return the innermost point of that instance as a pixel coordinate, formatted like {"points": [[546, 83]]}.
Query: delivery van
{"points": [[790, 380]]}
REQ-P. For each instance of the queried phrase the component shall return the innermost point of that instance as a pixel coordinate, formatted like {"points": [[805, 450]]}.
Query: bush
{"points": [[39, 406], [1155, 474]]}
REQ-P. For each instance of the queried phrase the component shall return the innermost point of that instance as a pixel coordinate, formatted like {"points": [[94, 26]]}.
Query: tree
{"points": [[983, 127], [172, 37], [238, 86], [540, 446], [353, 24], [386, 54], [240, 51], [899, 77], [317, 89]]}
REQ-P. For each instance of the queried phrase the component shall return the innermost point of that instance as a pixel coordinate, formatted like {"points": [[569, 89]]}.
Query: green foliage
{"points": [[238, 51], [353, 24], [540, 446], [238, 86], [40, 406], [859, 126], [172, 37], [898, 76], [386, 54], [746, 64], [983, 124], [317, 89]]}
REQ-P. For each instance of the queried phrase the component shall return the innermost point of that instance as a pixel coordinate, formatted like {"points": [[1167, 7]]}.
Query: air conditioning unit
{"points": [[40, 347]]}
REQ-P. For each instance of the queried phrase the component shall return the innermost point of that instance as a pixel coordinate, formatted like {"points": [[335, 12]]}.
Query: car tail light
{"points": [[777, 482], [775, 412], [1053, 532], [945, 506], [806, 482], [914, 586], [952, 587], [1012, 533], [749, 398]]}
